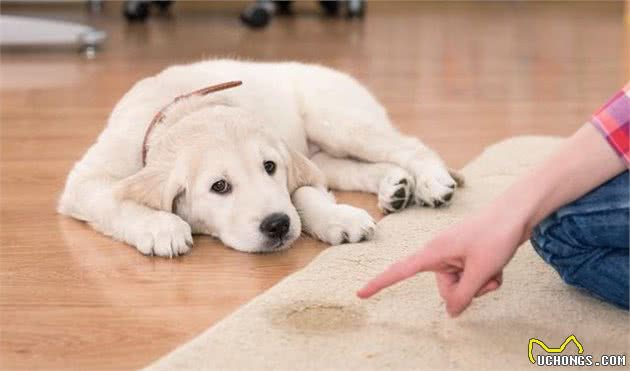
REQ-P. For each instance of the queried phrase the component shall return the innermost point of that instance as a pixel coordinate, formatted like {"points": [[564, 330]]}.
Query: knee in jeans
{"points": [[545, 237], [558, 235], [553, 241]]}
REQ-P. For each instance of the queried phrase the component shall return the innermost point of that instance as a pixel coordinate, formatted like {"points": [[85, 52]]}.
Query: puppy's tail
{"points": [[458, 177]]}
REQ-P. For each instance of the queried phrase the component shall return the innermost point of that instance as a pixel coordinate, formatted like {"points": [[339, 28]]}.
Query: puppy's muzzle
{"points": [[275, 226]]}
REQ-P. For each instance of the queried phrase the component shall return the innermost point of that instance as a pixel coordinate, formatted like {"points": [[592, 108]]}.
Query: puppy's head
{"points": [[224, 175]]}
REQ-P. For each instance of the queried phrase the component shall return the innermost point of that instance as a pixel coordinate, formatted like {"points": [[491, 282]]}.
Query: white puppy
{"points": [[250, 164]]}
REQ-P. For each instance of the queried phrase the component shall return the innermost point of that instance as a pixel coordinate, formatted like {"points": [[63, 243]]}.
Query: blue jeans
{"points": [[587, 241]]}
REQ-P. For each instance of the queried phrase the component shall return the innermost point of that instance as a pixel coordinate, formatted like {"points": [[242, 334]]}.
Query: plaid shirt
{"points": [[613, 120]]}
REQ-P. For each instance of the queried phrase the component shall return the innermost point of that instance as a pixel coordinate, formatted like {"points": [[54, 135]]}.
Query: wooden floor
{"points": [[459, 76]]}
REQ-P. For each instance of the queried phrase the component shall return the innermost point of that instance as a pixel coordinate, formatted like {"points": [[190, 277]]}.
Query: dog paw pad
{"points": [[395, 191]]}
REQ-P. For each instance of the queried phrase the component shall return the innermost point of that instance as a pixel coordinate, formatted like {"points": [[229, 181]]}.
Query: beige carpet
{"points": [[312, 320]]}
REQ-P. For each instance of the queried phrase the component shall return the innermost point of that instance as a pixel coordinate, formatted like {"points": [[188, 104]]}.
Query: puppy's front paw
{"points": [[347, 224], [164, 234], [434, 185], [395, 191]]}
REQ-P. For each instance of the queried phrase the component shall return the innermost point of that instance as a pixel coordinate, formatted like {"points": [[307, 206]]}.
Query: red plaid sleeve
{"points": [[613, 120]]}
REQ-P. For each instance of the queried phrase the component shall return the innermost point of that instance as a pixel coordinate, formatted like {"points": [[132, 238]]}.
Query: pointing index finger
{"points": [[424, 260]]}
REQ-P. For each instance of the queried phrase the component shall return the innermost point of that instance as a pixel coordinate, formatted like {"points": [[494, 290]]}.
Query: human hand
{"points": [[467, 259]]}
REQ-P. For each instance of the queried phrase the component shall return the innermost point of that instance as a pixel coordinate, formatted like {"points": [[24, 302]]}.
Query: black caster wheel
{"points": [[163, 5], [136, 11], [283, 7], [256, 16], [330, 8]]}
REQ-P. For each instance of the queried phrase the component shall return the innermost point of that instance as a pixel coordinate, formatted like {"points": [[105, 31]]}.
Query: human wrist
{"points": [[516, 209]]}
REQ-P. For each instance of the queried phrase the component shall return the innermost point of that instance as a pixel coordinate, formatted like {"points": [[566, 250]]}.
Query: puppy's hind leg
{"points": [[342, 118], [372, 142], [393, 185]]}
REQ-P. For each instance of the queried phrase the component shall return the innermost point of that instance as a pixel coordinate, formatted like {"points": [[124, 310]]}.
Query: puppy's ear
{"points": [[154, 187], [303, 172]]}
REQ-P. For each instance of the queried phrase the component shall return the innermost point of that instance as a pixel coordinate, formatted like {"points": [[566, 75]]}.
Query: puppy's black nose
{"points": [[275, 225]]}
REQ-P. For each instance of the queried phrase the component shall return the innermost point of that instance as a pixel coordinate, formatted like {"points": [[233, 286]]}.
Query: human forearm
{"points": [[584, 161]]}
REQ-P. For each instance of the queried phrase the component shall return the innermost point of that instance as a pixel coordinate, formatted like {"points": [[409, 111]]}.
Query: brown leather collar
{"points": [[159, 117]]}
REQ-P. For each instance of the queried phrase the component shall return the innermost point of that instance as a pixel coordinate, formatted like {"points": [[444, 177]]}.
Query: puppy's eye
{"points": [[221, 187], [270, 167]]}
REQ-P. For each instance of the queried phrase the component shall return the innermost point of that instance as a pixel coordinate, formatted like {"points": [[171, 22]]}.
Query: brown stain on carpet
{"points": [[318, 317]]}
